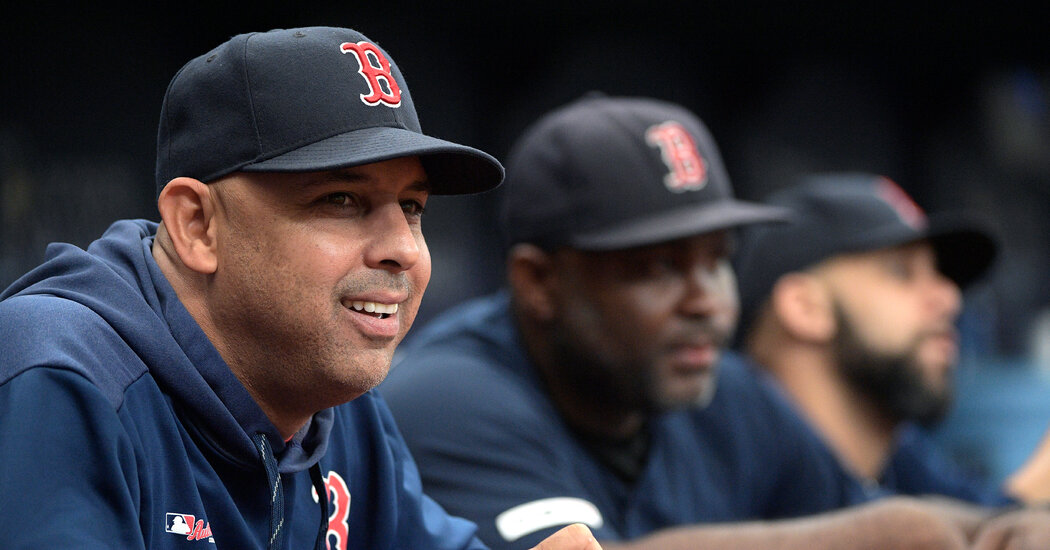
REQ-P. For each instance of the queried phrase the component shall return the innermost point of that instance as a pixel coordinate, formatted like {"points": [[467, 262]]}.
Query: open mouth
{"points": [[374, 309]]}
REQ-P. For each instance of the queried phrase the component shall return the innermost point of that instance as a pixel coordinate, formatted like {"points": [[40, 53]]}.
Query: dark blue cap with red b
{"points": [[604, 173], [301, 100], [842, 213]]}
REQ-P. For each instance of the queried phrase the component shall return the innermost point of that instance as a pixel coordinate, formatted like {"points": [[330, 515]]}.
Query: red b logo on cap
{"points": [[375, 67], [902, 204], [688, 171]]}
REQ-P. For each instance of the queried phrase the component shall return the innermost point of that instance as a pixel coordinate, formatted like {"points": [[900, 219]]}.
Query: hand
{"points": [[911, 523], [574, 537], [1024, 529]]}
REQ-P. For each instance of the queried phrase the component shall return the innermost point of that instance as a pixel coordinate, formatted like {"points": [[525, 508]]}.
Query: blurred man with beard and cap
{"points": [[852, 309], [586, 392]]}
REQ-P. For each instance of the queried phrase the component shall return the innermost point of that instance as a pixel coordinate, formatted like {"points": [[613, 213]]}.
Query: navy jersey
{"points": [[916, 466], [122, 427], [492, 448]]}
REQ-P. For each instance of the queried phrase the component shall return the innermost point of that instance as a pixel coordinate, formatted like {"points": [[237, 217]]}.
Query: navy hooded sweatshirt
{"points": [[122, 427]]}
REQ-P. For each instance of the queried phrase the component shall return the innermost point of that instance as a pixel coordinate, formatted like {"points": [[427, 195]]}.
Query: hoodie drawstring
{"points": [[276, 491], [273, 476], [322, 494]]}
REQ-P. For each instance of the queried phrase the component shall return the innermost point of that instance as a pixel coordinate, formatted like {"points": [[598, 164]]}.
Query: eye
{"points": [[665, 263], [900, 268], [652, 265], [413, 208], [341, 199]]}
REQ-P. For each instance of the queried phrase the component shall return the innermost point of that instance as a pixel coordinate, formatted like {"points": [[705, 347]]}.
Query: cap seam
{"points": [[251, 98], [166, 129]]}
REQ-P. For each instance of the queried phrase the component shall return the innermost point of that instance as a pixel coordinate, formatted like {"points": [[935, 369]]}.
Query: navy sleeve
{"points": [[423, 523], [919, 467], [68, 474], [483, 449], [790, 471]]}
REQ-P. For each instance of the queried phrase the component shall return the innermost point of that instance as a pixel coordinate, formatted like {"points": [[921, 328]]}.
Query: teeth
{"points": [[374, 307]]}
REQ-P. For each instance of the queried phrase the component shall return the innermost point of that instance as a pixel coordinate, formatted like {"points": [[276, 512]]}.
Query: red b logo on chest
{"points": [[687, 169], [338, 520], [375, 68]]}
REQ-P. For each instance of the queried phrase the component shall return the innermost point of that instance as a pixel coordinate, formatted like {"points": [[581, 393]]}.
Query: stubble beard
{"points": [[601, 376], [892, 383], [297, 359]]}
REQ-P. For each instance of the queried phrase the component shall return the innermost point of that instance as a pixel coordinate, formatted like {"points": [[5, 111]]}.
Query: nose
{"points": [[394, 244], [946, 296]]}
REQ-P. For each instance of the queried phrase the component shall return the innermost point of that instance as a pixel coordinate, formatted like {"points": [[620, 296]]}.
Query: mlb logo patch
{"points": [[180, 524], [188, 526]]}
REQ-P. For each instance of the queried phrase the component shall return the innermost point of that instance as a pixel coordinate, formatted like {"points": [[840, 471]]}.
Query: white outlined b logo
{"points": [[339, 499], [375, 68], [687, 170]]}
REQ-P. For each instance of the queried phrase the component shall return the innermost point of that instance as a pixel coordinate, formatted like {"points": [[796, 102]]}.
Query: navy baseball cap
{"points": [[299, 100], [606, 173], [842, 213]]}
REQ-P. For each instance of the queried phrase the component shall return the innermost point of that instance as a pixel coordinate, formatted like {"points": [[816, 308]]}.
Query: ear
{"points": [[804, 307], [529, 272], [187, 210]]}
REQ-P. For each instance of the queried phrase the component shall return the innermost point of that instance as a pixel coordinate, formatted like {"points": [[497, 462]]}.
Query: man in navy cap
{"points": [[578, 394], [207, 381], [852, 309]]}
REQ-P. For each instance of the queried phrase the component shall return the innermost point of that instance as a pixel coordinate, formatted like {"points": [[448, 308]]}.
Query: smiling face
{"points": [[319, 277], [643, 327], [896, 342]]}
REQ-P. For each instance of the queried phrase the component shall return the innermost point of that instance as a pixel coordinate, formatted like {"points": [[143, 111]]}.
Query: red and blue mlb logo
{"points": [[188, 526]]}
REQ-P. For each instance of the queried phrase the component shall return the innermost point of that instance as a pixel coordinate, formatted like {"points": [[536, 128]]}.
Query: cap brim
{"points": [[965, 248], [452, 169], [682, 222]]}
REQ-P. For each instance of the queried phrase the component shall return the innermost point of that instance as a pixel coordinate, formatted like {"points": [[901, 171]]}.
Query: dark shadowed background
{"points": [[951, 103]]}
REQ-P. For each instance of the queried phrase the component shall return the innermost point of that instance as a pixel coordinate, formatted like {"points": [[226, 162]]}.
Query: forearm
{"points": [[900, 524], [1031, 483]]}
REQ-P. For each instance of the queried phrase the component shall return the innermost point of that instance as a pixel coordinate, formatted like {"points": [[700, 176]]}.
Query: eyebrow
{"points": [[349, 175]]}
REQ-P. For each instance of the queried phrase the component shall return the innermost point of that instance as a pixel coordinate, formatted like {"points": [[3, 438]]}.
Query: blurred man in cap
{"points": [[852, 309], [578, 394]]}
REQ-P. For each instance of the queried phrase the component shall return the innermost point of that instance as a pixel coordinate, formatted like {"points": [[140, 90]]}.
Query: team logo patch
{"points": [[188, 526], [375, 68], [687, 170], [906, 209], [339, 502]]}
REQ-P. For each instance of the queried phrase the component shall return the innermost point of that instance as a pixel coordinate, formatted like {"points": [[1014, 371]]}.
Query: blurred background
{"points": [[950, 100]]}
